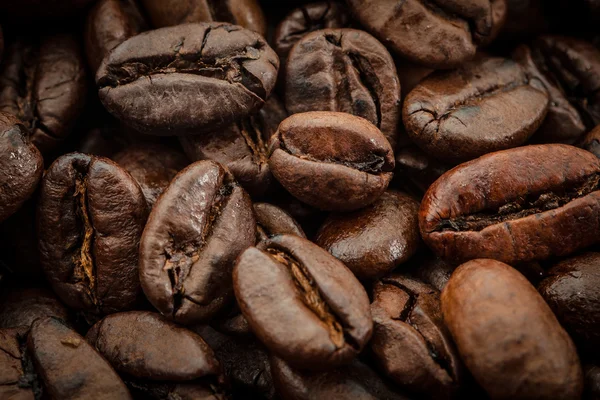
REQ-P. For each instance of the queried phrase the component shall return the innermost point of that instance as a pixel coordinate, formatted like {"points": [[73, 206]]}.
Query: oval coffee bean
{"points": [[487, 104], [195, 231], [91, 214], [272, 220], [64, 361], [444, 34], [376, 239], [21, 165], [410, 342], [221, 72], [344, 70], [507, 335], [302, 303], [516, 205], [571, 291], [331, 161], [22, 306], [167, 351]]}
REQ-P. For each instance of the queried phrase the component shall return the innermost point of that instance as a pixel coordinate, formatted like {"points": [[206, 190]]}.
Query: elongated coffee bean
{"points": [[195, 231], [302, 303], [187, 78], [507, 335], [522, 204]]}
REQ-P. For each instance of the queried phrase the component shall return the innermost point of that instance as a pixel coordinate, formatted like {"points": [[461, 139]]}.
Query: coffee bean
{"points": [[516, 205], [487, 104], [195, 231], [18, 379], [332, 161], [376, 239], [302, 303], [272, 220], [432, 270], [91, 214], [344, 70], [22, 306], [507, 335], [222, 72], [591, 142]]}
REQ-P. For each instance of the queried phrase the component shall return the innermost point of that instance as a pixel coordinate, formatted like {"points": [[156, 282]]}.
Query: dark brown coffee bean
{"points": [[21, 165], [571, 290], [376, 239], [41, 9], [507, 335], [591, 141], [109, 24], [592, 382], [415, 166], [145, 345], [246, 13], [153, 166], [272, 220], [516, 205], [222, 72], [410, 342], [344, 70], [43, 83], [570, 71], [302, 303], [22, 306], [68, 366], [487, 104], [195, 231], [443, 34], [242, 147], [432, 270], [332, 161], [18, 379], [91, 214]]}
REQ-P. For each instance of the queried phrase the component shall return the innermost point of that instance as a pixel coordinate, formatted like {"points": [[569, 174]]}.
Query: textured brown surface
{"points": [[272, 220], [22, 306]]}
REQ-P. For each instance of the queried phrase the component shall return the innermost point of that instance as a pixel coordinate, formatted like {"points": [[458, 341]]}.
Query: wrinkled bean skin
{"points": [[303, 147], [410, 342], [459, 115], [43, 83], [65, 361], [302, 303], [517, 205], [91, 214], [214, 73], [441, 36], [507, 335], [21, 307], [344, 70], [376, 239], [571, 290], [272, 220], [195, 231], [21, 165]]}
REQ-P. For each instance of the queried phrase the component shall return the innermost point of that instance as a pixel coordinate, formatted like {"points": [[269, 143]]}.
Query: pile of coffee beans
{"points": [[300, 199]]}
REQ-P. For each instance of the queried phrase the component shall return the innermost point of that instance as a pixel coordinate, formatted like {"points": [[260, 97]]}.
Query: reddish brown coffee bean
{"points": [[22, 306], [272, 220], [507, 335], [516, 205], [195, 231], [302, 303]]}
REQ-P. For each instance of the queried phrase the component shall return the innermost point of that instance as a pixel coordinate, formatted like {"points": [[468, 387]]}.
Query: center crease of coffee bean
{"points": [[253, 136], [84, 270]]}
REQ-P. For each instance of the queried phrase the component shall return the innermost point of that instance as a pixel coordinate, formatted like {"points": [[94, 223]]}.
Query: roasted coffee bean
{"points": [[302, 303], [444, 34], [507, 335], [272, 220], [195, 231], [591, 141], [410, 342], [21, 165], [487, 104], [344, 70], [69, 367], [592, 382], [18, 379], [431, 270], [43, 83], [153, 166], [571, 290], [109, 24], [516, 205], [332, 161], [22, 306], [91, 214], [41, 9], [187, 78], [415, 166], [376, 239], [246, 13], [242, 147], [570, 71], [356, 381]]}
